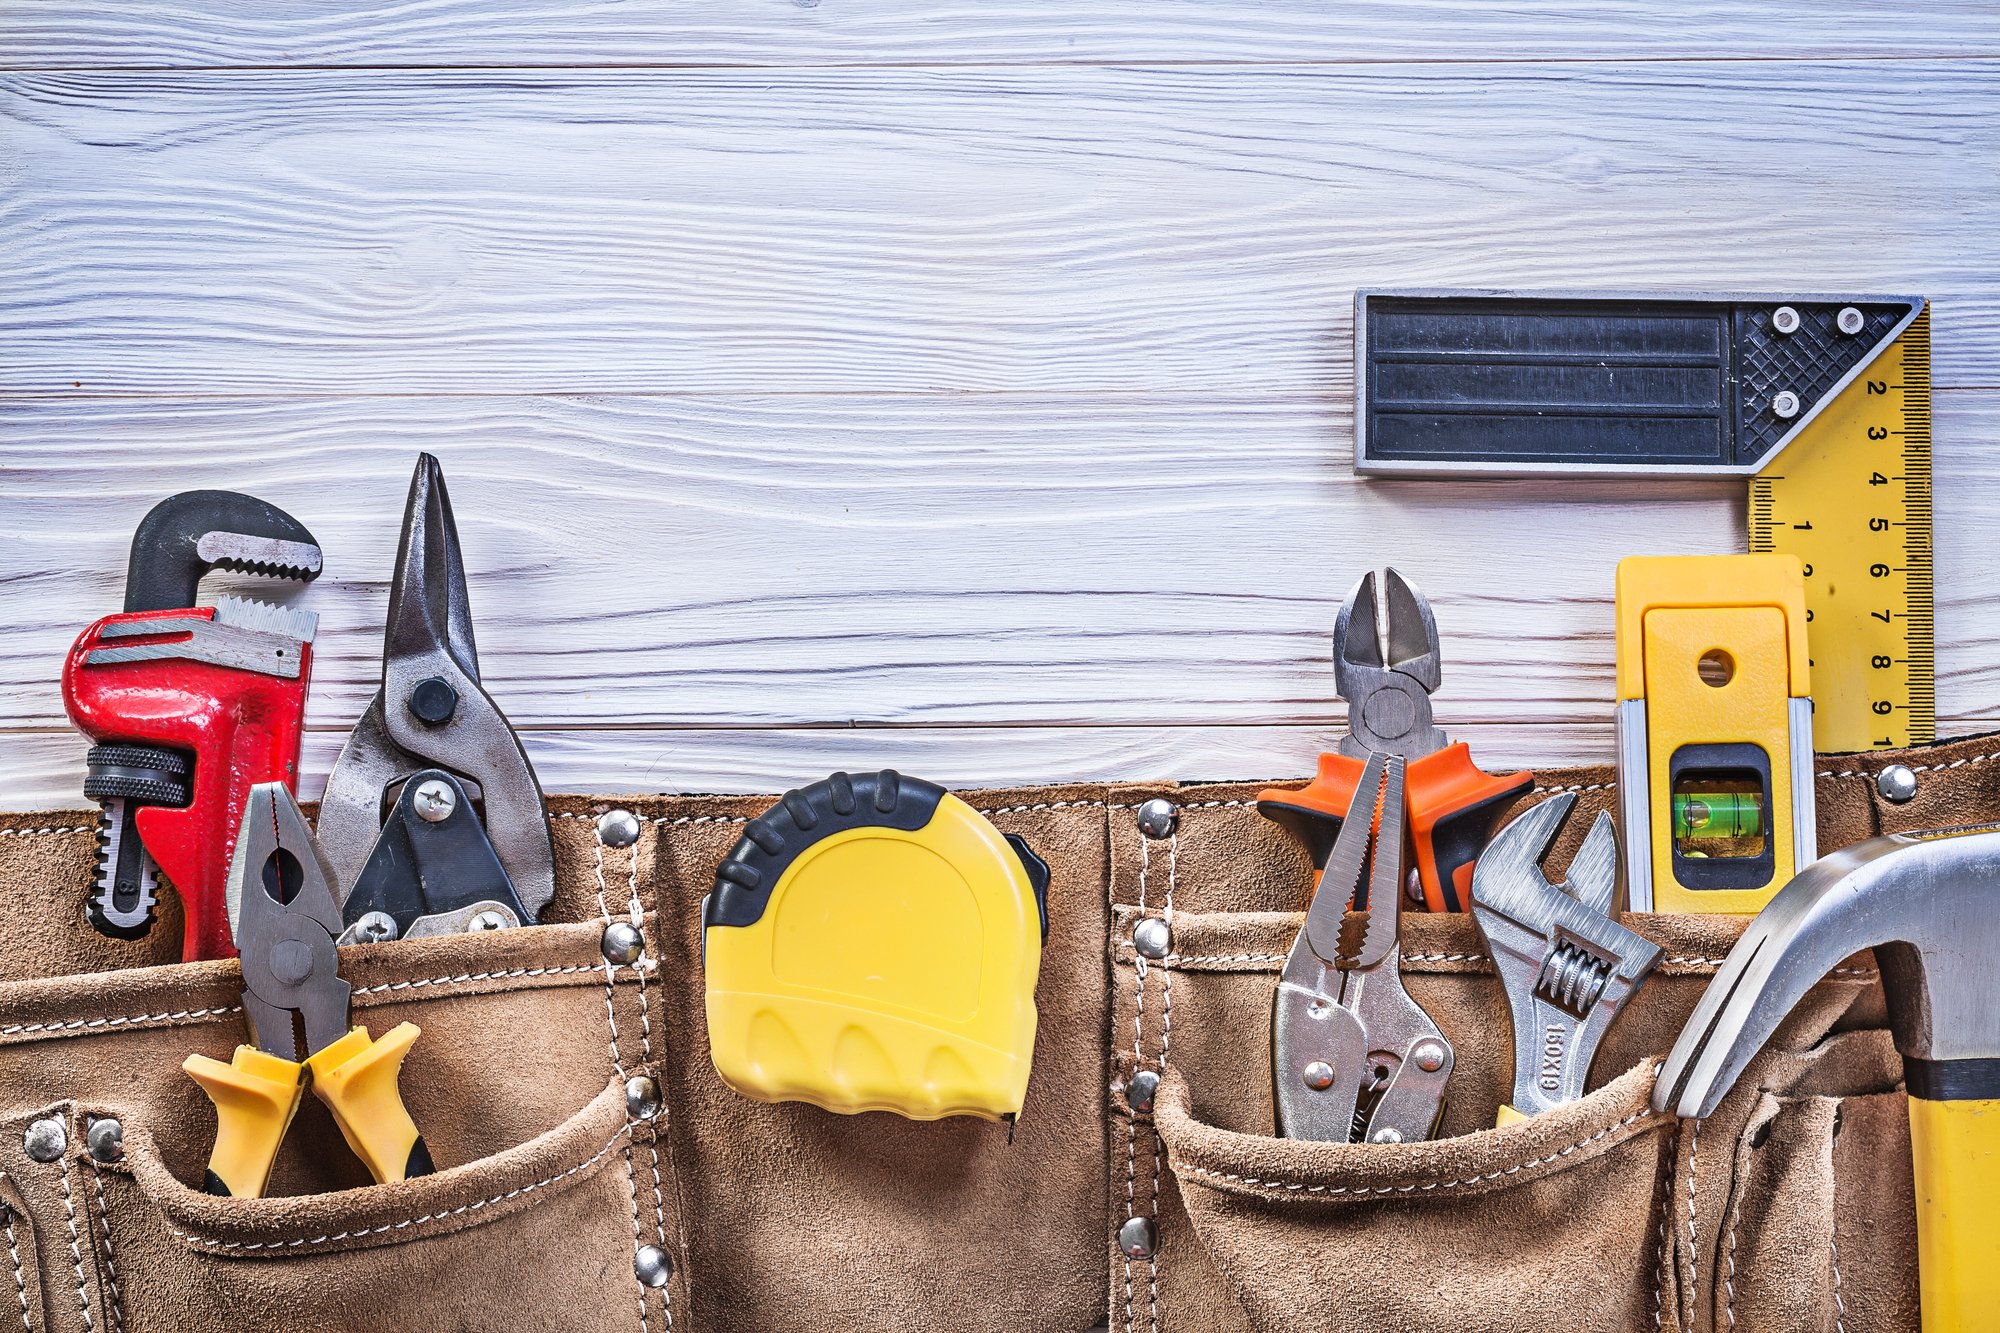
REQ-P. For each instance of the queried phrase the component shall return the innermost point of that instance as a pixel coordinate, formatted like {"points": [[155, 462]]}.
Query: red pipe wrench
{"points": [[189, 707]]}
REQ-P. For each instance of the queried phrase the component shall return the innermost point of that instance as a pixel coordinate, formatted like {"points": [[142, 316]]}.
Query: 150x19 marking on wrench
{"points": [[1852, 499]]}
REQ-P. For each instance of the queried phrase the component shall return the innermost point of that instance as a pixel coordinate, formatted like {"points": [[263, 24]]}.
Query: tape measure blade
{"points": [[1851, 497]]}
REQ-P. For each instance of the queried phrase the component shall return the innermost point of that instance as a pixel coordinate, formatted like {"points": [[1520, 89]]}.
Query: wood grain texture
{"points": [[1047, 229], [1127, 562], [984, 32], [44, 769], [990, 421]]}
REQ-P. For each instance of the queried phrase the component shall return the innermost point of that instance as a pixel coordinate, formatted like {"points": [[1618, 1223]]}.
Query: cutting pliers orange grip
{"points": [[1454, 809]]}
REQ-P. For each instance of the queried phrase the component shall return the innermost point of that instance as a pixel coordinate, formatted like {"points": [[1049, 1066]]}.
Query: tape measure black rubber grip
{"points": [[775, 839]]}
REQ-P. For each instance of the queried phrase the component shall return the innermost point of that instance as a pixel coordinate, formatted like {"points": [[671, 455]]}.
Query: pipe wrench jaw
{"points": [[1566, 966]]}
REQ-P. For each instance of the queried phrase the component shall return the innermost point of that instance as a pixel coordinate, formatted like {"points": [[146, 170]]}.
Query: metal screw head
{"points": [[1387, 1134], [1135, 1238], [1785, 320], [375, 927], [1318, 1075], [1152, 938], [622, 942], [1157, 818], [1429, 1056], [1897, 784], [432, 701], [1849, 321], [435, 801], [46, 1140], [486, 921], [1784, 404], [105, 1139], [1139, 1093], [618, 828], [652, 1266], [642, 1097]]}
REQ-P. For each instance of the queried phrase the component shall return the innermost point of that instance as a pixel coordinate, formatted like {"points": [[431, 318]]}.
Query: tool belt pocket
{"points": [[1598, 1209], [1562, 1210], [553, 1183], [1484, 1229]]}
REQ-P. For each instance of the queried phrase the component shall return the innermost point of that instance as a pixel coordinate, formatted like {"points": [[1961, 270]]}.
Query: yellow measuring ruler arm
{"points": [[1851, 498]]}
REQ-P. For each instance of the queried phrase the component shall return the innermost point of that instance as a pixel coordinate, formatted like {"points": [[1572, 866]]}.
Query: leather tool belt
{"points": [[1790, 1208]]}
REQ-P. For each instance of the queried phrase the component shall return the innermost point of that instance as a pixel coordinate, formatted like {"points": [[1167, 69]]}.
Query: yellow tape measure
{"points": [[1851, 498]]}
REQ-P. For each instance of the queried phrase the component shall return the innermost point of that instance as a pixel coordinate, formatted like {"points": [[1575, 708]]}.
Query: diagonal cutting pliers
{"points": [[282, 913], [1386, 665]]}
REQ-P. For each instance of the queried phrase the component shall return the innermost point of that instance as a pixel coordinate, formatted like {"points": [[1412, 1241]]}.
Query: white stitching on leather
{"points": [[632, 1187], [618, 1059], [1138, 1062], [1046, 805], [20, 1273], [1178, 959], [1661, 1269], [1839, 1301], [464, 978], [75, 1023], [39, 832], [638, 910], [1298, 1187], [1577, 787], [408, 1222], [110, 1254], [1729, 1277], [1917, 768], [1166, 1041], [1694, 1259], [76, 1248]]}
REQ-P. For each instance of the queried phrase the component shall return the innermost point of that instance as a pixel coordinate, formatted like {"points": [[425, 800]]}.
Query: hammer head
{"points": [[1927, 903]]}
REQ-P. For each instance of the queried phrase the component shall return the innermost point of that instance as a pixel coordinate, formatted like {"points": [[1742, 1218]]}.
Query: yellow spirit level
{"points": [[1715, 751], [872, 944]]}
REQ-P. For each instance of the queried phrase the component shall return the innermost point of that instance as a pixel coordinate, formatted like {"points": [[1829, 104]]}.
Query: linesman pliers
{"points": [[1386, 664], [281, 910]]}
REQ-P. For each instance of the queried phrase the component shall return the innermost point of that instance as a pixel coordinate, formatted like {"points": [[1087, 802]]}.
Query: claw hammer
{"points": [[1928, 904]]}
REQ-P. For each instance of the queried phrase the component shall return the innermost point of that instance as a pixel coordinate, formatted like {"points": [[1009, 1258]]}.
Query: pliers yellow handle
{"points": [[256, 1095]]}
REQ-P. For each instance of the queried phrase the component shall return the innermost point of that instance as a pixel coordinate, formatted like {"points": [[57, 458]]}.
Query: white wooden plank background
{"points": [[964, 387]]}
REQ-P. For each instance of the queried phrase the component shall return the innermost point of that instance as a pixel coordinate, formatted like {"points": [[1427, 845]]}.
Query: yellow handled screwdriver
{"points": [[284, 919]]}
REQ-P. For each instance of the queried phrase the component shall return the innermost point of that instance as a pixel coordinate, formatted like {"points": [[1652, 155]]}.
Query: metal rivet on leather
{"points": [[652, 1266], [45, 1140], [642, 1097], [622, 942], [1135, 1238], [1140, 1091], [1897, 783], [1152, 938], [106, 1139], [1156, 818], [618, 828]]}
